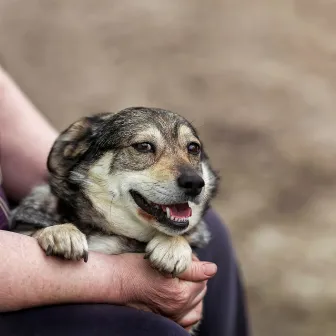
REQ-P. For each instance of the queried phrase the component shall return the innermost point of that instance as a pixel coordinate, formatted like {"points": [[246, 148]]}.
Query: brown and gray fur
{"points": [[87, 206]]}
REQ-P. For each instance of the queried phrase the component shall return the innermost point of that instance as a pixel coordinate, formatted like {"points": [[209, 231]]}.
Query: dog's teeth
{"points": [[179, 219], [168, 212]]}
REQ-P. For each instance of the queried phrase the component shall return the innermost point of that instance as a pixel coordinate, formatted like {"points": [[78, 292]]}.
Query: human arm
{"points": [[32, 279], [25, 140]]}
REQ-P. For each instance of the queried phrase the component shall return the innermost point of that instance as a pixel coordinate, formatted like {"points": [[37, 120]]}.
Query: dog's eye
{"points": [[144, 147], [194, 148]]}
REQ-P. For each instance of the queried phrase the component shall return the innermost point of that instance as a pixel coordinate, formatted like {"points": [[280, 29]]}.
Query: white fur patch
{"points": [[152, 133], [110, 195], [186, 135], [106, 244]]}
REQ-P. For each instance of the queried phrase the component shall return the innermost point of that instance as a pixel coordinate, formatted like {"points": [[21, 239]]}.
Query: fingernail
{"points": [[209, 269]]}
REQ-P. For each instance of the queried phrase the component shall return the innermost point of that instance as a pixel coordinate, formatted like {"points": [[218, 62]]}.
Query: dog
{"points": [[138, 180]]}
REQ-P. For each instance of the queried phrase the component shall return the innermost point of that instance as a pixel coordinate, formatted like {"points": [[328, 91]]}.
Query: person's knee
{"points": [[130, 321], [91, 319], [165, 327]]}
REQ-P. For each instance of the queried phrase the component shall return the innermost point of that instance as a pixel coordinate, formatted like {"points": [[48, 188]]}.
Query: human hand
{"points": [[179, 299]]}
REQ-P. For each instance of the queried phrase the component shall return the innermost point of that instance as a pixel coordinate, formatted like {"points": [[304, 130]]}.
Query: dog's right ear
{"points": [[69, 147]]}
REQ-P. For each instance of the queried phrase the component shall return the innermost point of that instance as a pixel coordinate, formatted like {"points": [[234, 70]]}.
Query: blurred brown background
{"points": [[257, 78]]}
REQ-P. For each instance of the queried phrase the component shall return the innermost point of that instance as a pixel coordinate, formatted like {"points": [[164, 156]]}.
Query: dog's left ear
{"points": [[69, 147]]}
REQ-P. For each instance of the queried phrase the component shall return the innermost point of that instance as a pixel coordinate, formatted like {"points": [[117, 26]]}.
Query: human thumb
{"points": [[198, 271]]}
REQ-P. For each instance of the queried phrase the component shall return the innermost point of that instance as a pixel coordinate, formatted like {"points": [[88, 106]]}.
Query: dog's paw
{"points": [[63, 240], [168, 254]]}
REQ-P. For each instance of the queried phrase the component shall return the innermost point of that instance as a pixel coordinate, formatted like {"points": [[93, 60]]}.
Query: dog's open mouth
{"points": [[176, 215]]}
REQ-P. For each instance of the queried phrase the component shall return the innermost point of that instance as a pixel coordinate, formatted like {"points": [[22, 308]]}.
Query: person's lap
{"points": [[224, 306], [87, 319]]}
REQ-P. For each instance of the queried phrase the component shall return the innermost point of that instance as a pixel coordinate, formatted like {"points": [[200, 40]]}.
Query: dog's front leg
{"points": [[169, 254]]}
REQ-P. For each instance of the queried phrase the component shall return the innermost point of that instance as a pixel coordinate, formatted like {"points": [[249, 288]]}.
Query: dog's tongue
{"points": [[178, 210]]}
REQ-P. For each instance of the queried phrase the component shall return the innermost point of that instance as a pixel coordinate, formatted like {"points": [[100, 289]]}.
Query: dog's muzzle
{"points": [[176, 216]]}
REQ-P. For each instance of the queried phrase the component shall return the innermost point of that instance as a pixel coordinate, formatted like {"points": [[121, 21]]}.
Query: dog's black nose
{"points": [[191, 183]]}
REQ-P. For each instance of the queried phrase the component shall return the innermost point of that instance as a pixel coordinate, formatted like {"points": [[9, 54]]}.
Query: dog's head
{"points": [[141, 168]]}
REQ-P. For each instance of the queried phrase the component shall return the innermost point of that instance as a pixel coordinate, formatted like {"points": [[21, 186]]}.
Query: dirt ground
{"points": [[257, 78]]}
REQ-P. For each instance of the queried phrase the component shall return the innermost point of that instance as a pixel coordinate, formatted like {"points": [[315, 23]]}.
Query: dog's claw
{"points": [[174, 273], [86, 256], [146, 256], [49, 250]]}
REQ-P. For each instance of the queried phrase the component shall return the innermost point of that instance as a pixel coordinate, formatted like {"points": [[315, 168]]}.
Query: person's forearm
{"points": [[28, 278], [25, 140]]}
